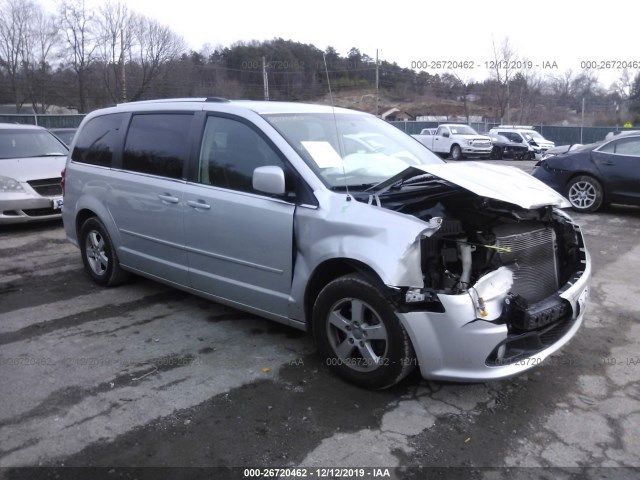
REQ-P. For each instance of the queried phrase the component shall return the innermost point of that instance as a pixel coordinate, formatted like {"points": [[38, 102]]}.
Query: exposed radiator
{"points": [[531, 256]]}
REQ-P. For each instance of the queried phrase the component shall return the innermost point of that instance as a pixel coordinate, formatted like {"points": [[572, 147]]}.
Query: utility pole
{"points": [[377, 85], [123, 75], [265, 79], [582, 121]]}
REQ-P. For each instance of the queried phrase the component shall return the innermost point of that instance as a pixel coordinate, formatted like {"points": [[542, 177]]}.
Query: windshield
{"points": [[535, 135], [29, 143], [350, 150], [462, 130]]}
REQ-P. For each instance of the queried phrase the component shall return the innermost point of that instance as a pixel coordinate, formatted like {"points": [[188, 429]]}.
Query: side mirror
{"points": [[445, 134], [269, 179]]}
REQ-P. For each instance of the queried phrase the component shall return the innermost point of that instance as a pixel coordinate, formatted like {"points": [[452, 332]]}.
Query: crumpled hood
{"points": [[507, 184], [33, 168]]}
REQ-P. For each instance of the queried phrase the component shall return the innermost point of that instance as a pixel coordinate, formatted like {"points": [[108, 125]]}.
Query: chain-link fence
{"points": [[559, 134]]}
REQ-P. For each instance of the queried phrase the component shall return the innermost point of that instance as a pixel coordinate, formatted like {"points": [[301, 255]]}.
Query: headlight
{"points": [[10, 185]]}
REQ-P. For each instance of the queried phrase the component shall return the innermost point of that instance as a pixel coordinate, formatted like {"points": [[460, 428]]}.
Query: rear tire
{"points": [[358, 334], [99, 255]]}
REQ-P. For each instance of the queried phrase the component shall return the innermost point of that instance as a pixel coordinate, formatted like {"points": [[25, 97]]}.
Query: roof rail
{"points": [[216, 99], [519, 127]]}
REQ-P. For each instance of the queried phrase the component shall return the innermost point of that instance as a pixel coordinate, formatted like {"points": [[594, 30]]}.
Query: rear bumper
{"points": [[458, 346]]}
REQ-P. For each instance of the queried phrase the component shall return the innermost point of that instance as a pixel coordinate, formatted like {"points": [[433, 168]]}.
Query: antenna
{"points": [[335, 123]]}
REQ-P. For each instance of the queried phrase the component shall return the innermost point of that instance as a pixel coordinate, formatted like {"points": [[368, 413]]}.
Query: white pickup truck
{"points": [[455, 140]]}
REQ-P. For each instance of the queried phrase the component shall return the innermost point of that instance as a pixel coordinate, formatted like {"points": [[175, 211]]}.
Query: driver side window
{"points": [[230, 152]]}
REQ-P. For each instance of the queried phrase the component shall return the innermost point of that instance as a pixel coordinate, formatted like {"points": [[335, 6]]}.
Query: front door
{"points": [[239, 241]]}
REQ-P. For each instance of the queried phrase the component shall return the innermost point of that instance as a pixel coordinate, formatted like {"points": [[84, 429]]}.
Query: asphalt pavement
{"points": [[145, 375]]}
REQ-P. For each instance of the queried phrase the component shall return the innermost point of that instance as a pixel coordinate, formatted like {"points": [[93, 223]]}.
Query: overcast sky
{"points": [[404, 32]]}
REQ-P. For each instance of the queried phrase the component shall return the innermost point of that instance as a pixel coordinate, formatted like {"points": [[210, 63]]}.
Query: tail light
{"points": [[62, 173]]}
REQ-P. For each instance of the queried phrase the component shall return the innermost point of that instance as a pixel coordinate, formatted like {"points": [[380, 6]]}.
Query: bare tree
{"points": [[465, 86], [115, 31], [561, 84], [624, 84], [42, 38], [78, 29], [155, 45], [14, 28], [504, 68], [525, 91]]}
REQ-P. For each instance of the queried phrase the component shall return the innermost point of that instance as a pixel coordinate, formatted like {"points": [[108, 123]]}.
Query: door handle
{"points": [[607, 162], [167, 197], [199, 204]]}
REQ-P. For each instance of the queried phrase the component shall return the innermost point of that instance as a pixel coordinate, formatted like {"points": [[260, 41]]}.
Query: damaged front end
{"points": [[504, 283]]}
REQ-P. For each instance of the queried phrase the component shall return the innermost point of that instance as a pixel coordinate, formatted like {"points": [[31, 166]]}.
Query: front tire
{"points": [[496, 153], [585, 193], [358, 334], [456, 152], [99, 255]]}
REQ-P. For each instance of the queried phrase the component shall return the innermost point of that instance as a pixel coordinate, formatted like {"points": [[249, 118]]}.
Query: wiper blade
{"points": [[357, 187], [409, 176], [426, 178]]}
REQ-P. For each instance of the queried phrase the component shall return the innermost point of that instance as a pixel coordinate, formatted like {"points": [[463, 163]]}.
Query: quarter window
{"points": [[158, 144], [230, 152], [608, 148], [628, 146], [96, 141]]}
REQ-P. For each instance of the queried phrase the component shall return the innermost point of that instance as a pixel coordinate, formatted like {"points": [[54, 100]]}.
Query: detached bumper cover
{"points": [[457, 345]]}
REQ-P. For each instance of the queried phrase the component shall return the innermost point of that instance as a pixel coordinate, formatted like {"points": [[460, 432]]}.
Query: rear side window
{"points": [[158, 144], [96, 140], [628, 146]]}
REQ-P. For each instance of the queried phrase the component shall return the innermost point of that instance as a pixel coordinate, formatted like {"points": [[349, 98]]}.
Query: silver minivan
{"points": [[334, 222]]}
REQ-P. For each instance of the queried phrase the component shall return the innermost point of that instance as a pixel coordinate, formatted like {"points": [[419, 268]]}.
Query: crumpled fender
{"points": [[386, 241]]}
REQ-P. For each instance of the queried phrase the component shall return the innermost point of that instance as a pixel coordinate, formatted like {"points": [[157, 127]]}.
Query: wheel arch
{"points": [[328, 271], [81, 217]]}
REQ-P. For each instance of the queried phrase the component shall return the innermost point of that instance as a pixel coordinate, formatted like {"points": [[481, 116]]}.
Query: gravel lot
{"points": [[143, 375]]}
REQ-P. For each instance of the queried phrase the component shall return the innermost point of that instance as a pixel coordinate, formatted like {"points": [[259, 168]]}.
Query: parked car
{"points": [[334, 222], [611, 135], [526, 135], [31, 159], [552, 152], [64, 134], [596, 174], [503, 147], [455, 140]]}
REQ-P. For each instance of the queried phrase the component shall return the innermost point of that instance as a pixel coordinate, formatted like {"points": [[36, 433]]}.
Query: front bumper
{"points": [[27, 207], [553, 177], [458, 345], [477, 151]]}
